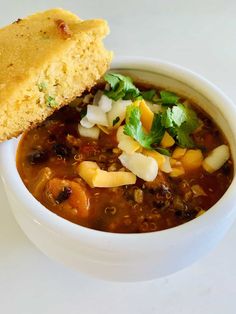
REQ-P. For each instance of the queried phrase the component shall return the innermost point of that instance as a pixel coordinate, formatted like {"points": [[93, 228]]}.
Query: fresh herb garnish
{"points": [[163, 151], [183, 137], [121, 86], [168, 98], [116, 120], [51, 102], [180, 121], [186, 128], [166, 118], [174, 116], [150, 95], [134, 128]]}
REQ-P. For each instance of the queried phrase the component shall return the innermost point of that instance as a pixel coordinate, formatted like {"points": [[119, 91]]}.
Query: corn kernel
{"points": [[175, 163], [176, 172], [179, 152], [167, 140], [192, 159]]}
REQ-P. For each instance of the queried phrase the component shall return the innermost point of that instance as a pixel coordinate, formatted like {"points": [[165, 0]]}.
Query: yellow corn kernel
{"points": [[202, 211], [175, 163], [179, 152], [192, 159], [160, 159], [167, 140], [146, 115], [176, 172]]}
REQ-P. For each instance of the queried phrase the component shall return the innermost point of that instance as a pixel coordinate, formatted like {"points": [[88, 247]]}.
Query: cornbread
{"points": [[47, 59]]}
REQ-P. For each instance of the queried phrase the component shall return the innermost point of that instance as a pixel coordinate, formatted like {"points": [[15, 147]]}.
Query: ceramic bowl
{"points": [[131, 257]]}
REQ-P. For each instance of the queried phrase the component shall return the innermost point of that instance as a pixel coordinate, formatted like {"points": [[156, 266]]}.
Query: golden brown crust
{"points": [[47, 60]]}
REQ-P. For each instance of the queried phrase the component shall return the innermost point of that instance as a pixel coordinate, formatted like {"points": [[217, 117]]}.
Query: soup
{"points": [[126, 158]]}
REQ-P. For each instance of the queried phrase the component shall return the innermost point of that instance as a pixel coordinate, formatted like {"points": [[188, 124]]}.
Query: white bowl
{"points": [[130, 257]]}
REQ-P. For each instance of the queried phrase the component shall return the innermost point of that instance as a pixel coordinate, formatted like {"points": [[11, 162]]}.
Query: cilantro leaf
{"points": [[168, 98], [180, 121], [166, 118], [179, 114], [51, 102], [183, 137], [163, 151], [157, 130], [122, 87], [134, 128], [174, 116], [149, 94], [192, 121], [183, 132], [113, 79]]}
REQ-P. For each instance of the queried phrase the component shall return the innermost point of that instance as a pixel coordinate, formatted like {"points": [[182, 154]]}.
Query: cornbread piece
{"points": [[46, 60]]}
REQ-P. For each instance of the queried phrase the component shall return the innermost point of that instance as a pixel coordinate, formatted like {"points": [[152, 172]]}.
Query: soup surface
{"points": [[147, 170]]}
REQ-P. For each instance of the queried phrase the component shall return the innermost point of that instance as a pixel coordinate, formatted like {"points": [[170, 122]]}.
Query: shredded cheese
{"points": [[146, 115], [86, 170], [142, 166], [95, 177]]}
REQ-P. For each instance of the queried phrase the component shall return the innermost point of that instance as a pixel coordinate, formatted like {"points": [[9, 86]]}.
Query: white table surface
{"points": [[199, 35]]}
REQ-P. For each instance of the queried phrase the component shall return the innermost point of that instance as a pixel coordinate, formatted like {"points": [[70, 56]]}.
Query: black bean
{"points": [[64, 195], [178, 213], [61, 150], [186, 214], [38, 157], [226, 169], [190, 214], [159, 203]]}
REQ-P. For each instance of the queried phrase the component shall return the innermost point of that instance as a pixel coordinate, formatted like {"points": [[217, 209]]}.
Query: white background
{"points": [[200, 35]]}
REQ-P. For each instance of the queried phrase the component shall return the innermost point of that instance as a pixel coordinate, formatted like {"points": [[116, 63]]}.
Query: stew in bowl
{"points": [[100, 241], [127, 157]]}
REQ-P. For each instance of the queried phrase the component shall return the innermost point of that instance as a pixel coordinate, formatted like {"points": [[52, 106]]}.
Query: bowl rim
{"points": [[92, 237]]}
